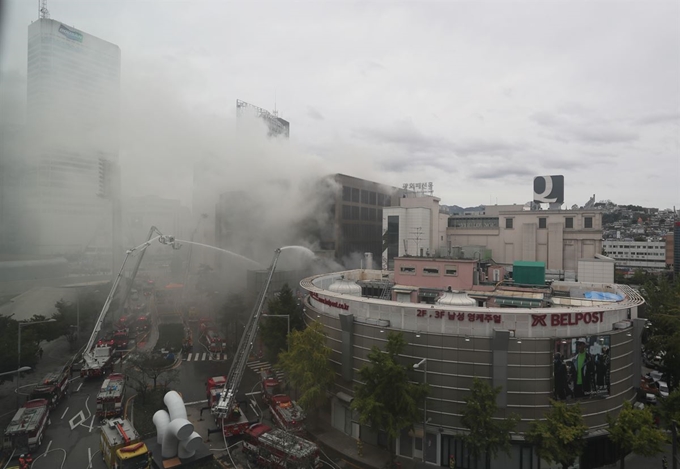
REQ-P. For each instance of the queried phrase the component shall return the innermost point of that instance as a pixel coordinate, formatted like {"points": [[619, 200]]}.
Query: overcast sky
{"points": [[476, 96]]}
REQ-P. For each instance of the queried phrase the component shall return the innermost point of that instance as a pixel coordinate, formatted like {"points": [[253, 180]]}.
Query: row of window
{"points": [[451, 270], [622, 246], [543, 223], [353, 212], [353, 194]]}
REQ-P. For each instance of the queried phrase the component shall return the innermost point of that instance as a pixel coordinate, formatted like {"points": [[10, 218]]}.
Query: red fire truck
{"points": [[241, 416], [215, 343], [99, 360], [275, 448], [111, 396], [271, 386], [287, 413], [53, 387], [26, 430]]}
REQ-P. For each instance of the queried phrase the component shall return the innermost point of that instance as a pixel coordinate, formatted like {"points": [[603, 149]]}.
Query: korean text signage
{"points": [[567, 319], [451, 316], [327, 302], [71, 34]]}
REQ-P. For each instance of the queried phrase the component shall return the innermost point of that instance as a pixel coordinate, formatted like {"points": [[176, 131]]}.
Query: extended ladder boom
{"points": [[116, 282], [223, 407]]}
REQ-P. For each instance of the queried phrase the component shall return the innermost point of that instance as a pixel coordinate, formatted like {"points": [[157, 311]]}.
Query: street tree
{"points": [[386, 399], [307, 367], [148, 368], [663, 337], [670, 408], [273, 330], [633, 430], [560, 438], [487, 436]]}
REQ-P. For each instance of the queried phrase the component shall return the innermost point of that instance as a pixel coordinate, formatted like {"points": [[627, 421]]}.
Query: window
{"points": [[508, 223], [364, 197], [355, 213], [451, 270], [346, 193], [408, 270], [542, 223], [346, 212], [569, 222], [372, 198], [355, 194], [588, 222], [364, 213], [430, 271]]}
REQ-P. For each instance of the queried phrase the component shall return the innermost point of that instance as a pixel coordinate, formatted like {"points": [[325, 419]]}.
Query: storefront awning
{"points": [[519, 302]]}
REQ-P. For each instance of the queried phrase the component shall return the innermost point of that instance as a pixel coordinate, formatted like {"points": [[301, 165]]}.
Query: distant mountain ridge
{"points": [[458, 210]]}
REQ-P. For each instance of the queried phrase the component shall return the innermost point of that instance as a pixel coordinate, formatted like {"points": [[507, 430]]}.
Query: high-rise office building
{"points": [[72, 150], [276, 126]]}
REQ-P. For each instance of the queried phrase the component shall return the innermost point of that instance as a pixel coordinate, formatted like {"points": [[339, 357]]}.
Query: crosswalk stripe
{"points": [[189, 357], [198, 355], [203, 359]]}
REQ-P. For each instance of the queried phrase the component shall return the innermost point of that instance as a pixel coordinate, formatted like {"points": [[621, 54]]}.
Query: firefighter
{"points": [[25, 461], [452, 462]]}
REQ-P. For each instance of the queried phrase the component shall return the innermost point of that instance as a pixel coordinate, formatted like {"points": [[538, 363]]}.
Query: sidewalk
{"points": [[372, 457]]}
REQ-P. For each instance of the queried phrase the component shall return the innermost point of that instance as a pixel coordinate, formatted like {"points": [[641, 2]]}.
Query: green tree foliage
{"points": [[88, 307], [274, 330], [663, 311], [670, 408], [307, 366], [386, 399], [560, 438], [634, 431], [486, 435]]}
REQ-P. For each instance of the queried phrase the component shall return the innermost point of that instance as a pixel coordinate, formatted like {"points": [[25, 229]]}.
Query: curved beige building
{"points": [[511, 347]]}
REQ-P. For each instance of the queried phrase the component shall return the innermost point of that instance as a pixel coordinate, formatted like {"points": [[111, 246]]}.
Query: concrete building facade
{"points": [[637, 254], [557, 237], [514, 348]]}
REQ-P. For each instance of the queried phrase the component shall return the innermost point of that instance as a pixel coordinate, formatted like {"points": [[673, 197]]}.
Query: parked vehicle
{"points": [[26, 430], [276, 448], [241, 415], [287, 413], [111, 396], [271, 385], [53, 387], [121, 446], [99, 360]]}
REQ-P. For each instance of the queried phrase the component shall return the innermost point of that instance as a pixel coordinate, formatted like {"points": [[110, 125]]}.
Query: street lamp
{"points": [[30, 323], [416, 366], [20, 370], [287, 316]]}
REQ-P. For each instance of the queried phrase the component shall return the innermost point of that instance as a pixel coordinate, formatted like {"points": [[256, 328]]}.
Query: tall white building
{"points": [[637, 254], [72, 150]]}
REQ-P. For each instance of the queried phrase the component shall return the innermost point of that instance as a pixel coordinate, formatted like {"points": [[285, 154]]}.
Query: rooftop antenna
{"points": [[276, 113], [42, 9]]}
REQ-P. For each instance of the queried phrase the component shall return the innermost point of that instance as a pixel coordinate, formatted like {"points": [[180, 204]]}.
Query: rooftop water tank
{"points": [[346, 287]]}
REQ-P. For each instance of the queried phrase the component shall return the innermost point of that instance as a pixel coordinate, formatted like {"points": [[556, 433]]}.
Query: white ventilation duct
{"points": [[175, 405], [178, 429], [187, 448], [161, 419]]}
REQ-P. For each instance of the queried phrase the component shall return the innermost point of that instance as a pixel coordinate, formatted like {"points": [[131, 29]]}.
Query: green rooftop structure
{"points": [[528, 272]]}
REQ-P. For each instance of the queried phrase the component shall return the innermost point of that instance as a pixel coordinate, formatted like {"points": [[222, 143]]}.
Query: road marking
{"points": [[203, 359], [89, 458], [48, 447], [64, 414], [189, 357], [81, 385], [80, 416], [198, 355], [92, 422]]}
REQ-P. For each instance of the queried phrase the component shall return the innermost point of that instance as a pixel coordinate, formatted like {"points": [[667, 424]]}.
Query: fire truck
{"points": [[111, 396], [53, 387], [241, 417], [26, 430], [99, 360], [122, 447], [120, 339], [287, 413], [276, 448], [213, 339], [271, 386]]}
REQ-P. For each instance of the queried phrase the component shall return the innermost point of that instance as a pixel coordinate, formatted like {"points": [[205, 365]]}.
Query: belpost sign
{"points": [[567, 319]]}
